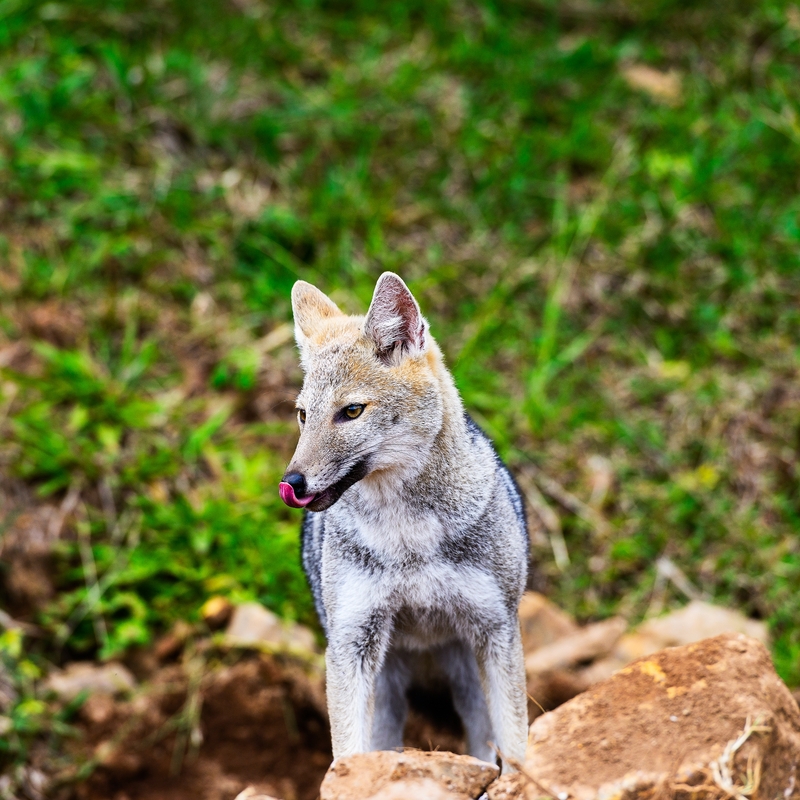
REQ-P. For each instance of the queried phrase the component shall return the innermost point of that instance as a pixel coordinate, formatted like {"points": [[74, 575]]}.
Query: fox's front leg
{"points": [[356, 651], [502, 670]]}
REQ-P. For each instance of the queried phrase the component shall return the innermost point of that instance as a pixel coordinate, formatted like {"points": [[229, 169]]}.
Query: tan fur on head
{"points": [[387, 362]]}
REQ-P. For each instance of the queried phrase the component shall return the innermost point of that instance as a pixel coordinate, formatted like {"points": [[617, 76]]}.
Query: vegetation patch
{"points": [[596, 204]]}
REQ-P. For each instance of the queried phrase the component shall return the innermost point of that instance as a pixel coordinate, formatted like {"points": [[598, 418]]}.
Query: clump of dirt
{"points": [[30, 530], [206, 734]]}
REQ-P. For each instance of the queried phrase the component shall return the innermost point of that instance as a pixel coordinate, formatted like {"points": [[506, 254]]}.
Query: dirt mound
{"points": [[711, 717], [193, 731], [207, 734]]}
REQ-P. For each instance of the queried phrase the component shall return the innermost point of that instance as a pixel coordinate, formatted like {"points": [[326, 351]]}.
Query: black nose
{"points": [[297, 482]]}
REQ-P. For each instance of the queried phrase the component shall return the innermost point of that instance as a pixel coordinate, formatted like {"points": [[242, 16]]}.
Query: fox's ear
{"points": [[394, 321], [310, 306]]}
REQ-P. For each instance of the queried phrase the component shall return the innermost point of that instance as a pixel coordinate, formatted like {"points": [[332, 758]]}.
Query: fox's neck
{"points": [[452, 470]]}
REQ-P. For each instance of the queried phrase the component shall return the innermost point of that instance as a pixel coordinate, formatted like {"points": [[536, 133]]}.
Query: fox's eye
{"points": [[353, 410], [301, 416]]}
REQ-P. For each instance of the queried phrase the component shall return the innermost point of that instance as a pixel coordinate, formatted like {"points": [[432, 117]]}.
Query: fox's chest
{"points": [[436, 603], [429, 599], [396, 562]]}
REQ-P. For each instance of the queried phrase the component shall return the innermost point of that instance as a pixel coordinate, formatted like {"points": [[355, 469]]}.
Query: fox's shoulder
{"points": [[512, 488]]}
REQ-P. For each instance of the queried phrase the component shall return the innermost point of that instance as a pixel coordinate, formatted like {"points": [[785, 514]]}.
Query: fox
{"points": [[414, 538]]}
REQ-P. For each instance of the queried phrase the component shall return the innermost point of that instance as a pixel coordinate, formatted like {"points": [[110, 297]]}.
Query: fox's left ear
{"points": [[310, 306], [394, 321]]}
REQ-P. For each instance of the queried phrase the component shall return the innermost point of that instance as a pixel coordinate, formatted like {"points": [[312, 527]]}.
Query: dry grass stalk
{"points": [[719, 778]]}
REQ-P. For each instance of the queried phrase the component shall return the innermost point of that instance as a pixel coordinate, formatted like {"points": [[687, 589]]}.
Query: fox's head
{"points": [[371, 401]]}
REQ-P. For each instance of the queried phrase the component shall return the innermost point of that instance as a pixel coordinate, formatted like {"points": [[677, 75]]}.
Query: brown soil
{"points": [[261, 722], [258, 722]]}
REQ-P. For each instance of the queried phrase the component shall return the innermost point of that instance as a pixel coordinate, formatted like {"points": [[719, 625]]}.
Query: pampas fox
{"points": [[415, 543]]}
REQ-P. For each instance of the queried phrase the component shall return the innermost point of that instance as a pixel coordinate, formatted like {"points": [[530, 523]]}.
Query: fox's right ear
{"points": [[310, 306], [394, 322]]}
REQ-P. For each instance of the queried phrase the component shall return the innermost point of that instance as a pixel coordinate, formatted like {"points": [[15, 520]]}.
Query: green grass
{"points": [[610, 274]]}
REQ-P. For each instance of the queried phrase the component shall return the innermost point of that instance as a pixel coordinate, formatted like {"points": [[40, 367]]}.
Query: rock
{"points": [[696, 621], [86, 676], [554, 645], [252, 625], [426, 788], [585, 644], [542, 622], [554, 675], [390, 775], [712, 715], [551, 689], [251, 793], [511, 787], [599, 670]]}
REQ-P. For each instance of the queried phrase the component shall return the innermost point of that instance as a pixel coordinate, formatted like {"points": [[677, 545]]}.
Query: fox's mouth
{"points": [[288, 496], [325, 499]]}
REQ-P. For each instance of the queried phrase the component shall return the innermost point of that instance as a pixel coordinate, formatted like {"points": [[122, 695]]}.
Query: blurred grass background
{"points": [[596, 204]]}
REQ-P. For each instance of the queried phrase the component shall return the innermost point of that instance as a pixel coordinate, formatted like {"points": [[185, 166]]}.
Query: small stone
{"points": [[98, 709], [86, 676], [251, 793], [662, 86], [252, 625]]}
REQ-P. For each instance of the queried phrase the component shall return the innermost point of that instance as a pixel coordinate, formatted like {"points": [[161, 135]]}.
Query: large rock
{"points": [[696, 621], [712, 715], [555, 669], [390, 775]]}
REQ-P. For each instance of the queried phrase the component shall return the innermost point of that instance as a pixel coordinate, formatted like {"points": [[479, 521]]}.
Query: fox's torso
{"points": [[433, 561]]}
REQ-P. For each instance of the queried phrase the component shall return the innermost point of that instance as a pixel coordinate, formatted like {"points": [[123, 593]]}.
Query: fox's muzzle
{"points": [[292, 490]]}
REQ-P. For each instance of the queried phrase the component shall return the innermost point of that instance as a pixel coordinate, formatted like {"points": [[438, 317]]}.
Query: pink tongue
{"points": [[288, 496]]}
